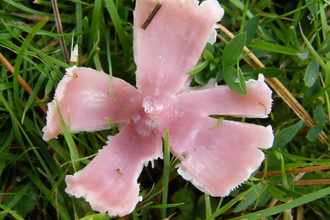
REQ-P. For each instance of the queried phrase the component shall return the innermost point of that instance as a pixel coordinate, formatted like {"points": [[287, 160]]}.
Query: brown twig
{"points": [[294, 170], [151, 16], [300, 170], [283, 92], [60, 31], [22, 81], [309, 182], [312, 182]]}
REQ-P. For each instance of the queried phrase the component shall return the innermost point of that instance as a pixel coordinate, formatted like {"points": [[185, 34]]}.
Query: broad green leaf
{"points": [[201, 78], [55, 201], [303, 55], [251, 27], [199, 67], [14, 201], [99, 216], [208, 55], [220, 120], [242, 82], [319, 115], [274, 48], [233, 50], [314, 53], [286, 135], [311, 72], [314, 92], [313, 133], [312, 8], [234, 80], [325, 47], [268, 72], [261, 5], [187, 197], [27, 203]]}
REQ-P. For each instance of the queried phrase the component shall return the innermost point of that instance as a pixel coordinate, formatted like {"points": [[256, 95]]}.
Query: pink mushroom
{"points": [[169, 38]]}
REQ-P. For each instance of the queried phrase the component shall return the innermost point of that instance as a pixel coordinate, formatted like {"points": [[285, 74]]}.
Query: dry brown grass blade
{"points": [[294, 170], [282, 91], [309, 182], [312, 182], [60, 31], [22, 81]]}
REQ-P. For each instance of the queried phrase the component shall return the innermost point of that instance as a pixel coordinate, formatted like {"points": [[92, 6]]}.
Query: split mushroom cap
{"points": [[215, 157]]}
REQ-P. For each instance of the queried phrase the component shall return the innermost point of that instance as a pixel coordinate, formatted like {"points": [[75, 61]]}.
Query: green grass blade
{"points": [[229, 204], [166, 175], [19, 60], [16, 199], [119, 29], [286, 206], [7, 210], [69, 140]]}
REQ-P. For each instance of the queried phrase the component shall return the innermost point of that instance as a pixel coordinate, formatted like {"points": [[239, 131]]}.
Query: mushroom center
{"points": [[152, 107]]}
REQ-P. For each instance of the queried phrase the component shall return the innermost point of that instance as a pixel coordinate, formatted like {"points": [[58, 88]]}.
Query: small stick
{"points": [[312, 182], [60, 30], [294, 170], [152, 15]]}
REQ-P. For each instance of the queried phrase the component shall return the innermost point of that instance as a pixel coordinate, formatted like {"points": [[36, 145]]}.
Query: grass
{"points": [[289, 43]]}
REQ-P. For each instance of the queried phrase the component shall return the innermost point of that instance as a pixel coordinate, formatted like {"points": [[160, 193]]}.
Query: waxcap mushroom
{"points": [[216, 158]]}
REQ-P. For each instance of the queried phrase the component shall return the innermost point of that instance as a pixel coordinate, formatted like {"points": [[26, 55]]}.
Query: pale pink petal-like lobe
{"points": [[217, 160], [109, 181], [172, 43], [221, 100], [85, 94]]}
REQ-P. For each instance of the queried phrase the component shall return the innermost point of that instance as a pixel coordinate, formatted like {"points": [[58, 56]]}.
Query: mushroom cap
{"points": [[215, 157]]}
